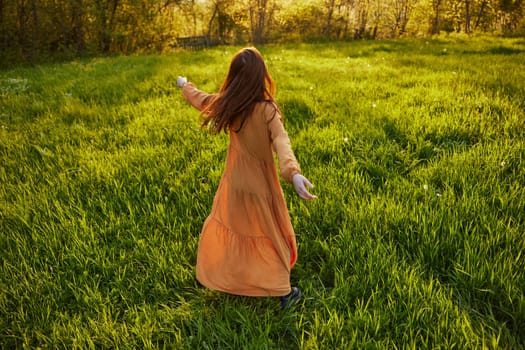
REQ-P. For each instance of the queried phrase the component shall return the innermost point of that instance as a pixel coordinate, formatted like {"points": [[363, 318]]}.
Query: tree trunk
{"points": [[328, 29], [406, 17], [106, 23], [480, 14], [258, 20], [467, 16], [111, 25], [210, 23], [35, 32], [361, 27], [21, 17], [268, 24], [78, 26], [436, 4], [102, 24], [347, 18], [3, 27]]}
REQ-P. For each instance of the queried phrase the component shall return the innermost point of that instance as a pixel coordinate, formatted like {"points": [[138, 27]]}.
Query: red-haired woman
{"points": [[247, 244]]}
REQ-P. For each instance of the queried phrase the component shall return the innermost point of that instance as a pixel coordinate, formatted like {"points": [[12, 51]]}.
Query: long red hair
{"points": [[247, 83]]}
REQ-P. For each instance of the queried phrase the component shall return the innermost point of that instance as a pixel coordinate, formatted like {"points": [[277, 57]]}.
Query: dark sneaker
{"points": [[288, 300]]}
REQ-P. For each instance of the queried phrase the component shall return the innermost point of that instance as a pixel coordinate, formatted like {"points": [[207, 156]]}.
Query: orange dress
{"points": [[247, 245]]}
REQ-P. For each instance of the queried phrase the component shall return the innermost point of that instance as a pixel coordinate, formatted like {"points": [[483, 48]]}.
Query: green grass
{"points": [[417, 151]]}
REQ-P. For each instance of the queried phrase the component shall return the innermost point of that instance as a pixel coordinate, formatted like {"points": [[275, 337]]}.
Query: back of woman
{"points": [[247, 244]]}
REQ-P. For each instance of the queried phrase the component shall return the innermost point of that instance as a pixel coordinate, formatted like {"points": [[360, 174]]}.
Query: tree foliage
{"points": [[31, 29]]}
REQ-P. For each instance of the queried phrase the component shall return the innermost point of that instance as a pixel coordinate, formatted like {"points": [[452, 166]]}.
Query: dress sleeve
{"points": [[281, 144], [197, 98]]}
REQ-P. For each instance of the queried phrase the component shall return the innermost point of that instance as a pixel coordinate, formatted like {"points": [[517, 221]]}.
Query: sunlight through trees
{"points": [[30, 29]]}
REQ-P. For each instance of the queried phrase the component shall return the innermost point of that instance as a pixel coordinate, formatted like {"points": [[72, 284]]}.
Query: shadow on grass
{"points": [[296, 114], [498, 50], [215, 317]]}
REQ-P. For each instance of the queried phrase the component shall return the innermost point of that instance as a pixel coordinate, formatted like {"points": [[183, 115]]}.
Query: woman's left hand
{"points": [[181, 81]]}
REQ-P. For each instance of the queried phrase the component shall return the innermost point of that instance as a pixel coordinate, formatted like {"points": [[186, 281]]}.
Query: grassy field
{"points": [[417, 240]]}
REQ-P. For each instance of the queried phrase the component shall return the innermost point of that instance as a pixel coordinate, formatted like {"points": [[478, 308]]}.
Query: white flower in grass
{"points": [[374, 105], [425, 187], [15, 81], [503, 163], [311, 88], [345, 139]]}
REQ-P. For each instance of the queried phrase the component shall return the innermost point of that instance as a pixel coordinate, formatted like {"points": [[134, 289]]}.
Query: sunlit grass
{"points": [[416, 148]]}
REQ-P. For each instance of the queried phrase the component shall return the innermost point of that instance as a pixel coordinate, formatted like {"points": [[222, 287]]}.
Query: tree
{"points": [[77, 22], [30, 28], [261, 15], [401, 13], [222, 24], [330, 7], [302, 21], [362, 7], [511, 13], [105, 15], [436, 13], [467, 16], [486, 15]]}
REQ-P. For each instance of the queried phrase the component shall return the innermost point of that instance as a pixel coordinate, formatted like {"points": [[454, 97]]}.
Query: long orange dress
{"points": [[247, 245]]}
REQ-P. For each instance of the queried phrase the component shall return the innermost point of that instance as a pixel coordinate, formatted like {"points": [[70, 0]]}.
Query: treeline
{"points": [[32, 29]]}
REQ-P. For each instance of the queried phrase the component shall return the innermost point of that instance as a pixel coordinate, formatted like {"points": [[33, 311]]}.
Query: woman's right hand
{"points": [[300, 183]]}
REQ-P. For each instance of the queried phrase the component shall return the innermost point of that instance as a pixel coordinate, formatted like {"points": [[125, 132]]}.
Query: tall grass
{"points": [[417, 151]]}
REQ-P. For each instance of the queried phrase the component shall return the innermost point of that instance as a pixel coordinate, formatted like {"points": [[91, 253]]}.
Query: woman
{"points": [[247, 244]]}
